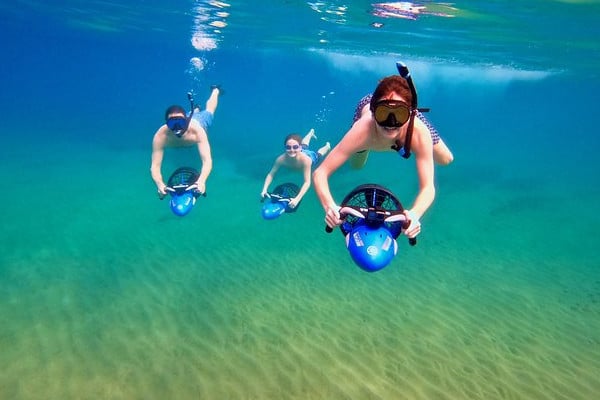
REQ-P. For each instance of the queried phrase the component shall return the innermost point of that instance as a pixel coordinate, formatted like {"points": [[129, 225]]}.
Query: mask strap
{"points": [[405, 150]]}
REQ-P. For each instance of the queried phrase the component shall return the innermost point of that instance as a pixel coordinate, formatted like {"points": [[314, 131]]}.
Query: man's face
{"points": [[177, 123]]}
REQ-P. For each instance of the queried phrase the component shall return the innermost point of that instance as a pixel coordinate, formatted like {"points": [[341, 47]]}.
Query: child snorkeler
{"points": [[297, 157]]}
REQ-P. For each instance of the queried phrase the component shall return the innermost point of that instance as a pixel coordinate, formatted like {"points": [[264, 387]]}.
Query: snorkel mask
{"points": [[391, 113], [178, 125]]}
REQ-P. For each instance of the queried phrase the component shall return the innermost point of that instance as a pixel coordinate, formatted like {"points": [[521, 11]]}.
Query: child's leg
{"points": [[306, 139], [323, 150]]}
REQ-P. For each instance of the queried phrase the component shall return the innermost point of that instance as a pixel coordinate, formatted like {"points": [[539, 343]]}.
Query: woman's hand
{"points": [[332, 216], [414, 228]]}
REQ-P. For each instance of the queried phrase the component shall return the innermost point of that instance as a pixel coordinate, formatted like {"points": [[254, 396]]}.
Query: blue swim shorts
{"points": [[204, 118], [314, 156]]}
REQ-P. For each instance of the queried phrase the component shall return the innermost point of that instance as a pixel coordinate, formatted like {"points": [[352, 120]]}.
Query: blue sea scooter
{"points": [[183, 190], [279, 200], [373, 219]]}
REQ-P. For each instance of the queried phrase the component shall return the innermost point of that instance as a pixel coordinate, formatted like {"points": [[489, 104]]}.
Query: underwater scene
{"points": [[107, 293]]}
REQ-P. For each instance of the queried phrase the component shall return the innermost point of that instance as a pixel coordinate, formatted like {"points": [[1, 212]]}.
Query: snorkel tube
{"points": [[404, 151], [190, 96]]}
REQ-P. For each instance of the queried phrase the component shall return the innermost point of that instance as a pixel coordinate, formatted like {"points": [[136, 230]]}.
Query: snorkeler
{"points": [[181, 130], [299, 157], [390, 120]]}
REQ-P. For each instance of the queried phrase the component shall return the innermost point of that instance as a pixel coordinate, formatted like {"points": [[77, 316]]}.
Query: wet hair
{"points": [[391, 84], [294, 136], [175, 109]]}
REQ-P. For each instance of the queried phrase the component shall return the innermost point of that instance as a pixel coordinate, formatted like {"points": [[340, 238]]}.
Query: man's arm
{"points": [[206, 158], [156, 163]]}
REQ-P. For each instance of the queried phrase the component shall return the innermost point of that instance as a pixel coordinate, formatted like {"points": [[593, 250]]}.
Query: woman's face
{"points": [[390, 131]]}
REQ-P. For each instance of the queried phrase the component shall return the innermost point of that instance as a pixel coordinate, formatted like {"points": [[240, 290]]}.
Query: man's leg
{"points": [[213, 100]]}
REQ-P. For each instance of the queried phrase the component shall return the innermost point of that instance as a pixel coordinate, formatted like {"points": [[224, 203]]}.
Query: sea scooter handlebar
{"points": [[372, 214], [276, 197], [183, 188]]}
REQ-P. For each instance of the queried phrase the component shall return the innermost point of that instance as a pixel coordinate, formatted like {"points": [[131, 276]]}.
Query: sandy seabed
{"points": [[145, 305]]}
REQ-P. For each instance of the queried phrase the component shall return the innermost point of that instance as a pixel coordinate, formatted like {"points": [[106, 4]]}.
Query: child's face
{"points": [[292, 148]]}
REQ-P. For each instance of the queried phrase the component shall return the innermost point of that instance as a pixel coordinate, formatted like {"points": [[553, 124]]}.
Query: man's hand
{"points": [[162, 191], [198, 187]]}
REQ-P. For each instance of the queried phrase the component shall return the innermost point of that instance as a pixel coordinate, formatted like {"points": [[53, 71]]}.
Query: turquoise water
{"points": [[106, 294]]}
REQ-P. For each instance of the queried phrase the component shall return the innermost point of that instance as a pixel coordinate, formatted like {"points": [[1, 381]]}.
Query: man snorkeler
{"points": [[181, 130]]}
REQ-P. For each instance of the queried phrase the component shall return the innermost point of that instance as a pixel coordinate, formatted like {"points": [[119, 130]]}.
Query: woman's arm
{"points": [[422, 147]]}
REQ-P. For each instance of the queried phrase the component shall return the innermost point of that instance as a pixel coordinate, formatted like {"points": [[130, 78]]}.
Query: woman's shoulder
{"points": [[421, 134]]}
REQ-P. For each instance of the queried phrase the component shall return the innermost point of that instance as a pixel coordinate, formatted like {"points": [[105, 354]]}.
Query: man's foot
{"points": [[218, 87], [311, 134]]}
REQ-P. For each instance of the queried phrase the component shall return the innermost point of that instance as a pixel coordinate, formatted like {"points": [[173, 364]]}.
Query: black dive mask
{"points": [[178, 125]]}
